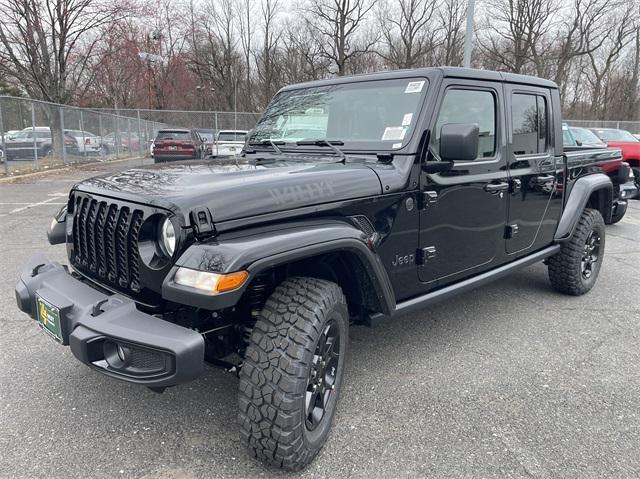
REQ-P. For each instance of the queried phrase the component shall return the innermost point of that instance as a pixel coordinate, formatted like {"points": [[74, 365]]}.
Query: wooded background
{"points": [[235, 54]]}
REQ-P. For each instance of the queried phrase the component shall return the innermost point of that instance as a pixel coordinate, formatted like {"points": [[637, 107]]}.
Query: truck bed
{"points": [[578, 156]]}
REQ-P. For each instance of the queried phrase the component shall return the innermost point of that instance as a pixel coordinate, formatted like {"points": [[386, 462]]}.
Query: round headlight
{"points": [[168, 237]]}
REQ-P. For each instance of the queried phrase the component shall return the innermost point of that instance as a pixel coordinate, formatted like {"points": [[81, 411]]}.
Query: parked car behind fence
{"points": [[177, 144], [35, 143], [229, 142]]}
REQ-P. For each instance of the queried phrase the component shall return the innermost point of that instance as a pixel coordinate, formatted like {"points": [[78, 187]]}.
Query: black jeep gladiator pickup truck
{"points": [[356, 199]]}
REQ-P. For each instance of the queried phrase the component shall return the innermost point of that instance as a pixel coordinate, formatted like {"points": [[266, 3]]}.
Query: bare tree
{"points": [[338, 24], [408, 32], [603, 59], [268, 59], [451, 18], [46, 47], [303, 60], [513, 29], [245, 10]]}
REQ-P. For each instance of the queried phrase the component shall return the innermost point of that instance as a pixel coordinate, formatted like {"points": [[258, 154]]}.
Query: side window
{"points": [[469, 106], [542, 124], [529, 124]]}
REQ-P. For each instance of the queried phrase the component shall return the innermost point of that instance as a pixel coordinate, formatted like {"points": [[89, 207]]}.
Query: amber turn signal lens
{"points": [[230, 281], [212, 283]]}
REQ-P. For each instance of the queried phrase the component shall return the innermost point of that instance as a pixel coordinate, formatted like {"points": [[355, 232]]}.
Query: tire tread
{"points": [[564, 267], [273, 376]]}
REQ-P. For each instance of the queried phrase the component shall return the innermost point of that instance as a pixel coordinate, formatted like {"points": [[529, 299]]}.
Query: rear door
{"points": [[464, 210], [531, 165]]}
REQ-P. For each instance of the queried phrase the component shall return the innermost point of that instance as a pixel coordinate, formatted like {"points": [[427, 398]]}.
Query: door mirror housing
{"points": [[459, 141]]}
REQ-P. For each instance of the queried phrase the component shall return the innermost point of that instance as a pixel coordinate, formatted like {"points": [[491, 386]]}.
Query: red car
{"points": [[177, 144], [628, 144]]}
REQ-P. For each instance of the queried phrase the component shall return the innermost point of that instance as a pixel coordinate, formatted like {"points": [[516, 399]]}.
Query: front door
{"points": [[463, 214], [532, 168]]}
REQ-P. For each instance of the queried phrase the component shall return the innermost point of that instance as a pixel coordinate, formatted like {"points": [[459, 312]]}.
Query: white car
{"points": [[229, 142], [87, 142]]}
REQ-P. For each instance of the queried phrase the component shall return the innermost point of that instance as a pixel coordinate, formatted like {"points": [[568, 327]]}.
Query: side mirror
{"points": [[459, 141], [578, 143]]}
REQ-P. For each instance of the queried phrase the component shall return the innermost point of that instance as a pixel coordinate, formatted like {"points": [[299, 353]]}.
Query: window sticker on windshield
{"points": [[406, 119], [414, 87], [393, 133], [396, 145]]}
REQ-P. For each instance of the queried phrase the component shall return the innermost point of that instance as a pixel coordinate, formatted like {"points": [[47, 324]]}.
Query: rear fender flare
{"points": [[579, 196], [261, 249]]}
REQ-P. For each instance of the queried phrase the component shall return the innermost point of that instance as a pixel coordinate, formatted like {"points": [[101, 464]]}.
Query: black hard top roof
{"points": [[432, 72]]}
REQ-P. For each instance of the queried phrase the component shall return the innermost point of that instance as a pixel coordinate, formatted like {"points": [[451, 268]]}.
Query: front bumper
{"points": [[108, 333]]}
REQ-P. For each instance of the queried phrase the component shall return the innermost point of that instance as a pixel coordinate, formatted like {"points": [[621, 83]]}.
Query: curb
{"points": [[76, 166]]}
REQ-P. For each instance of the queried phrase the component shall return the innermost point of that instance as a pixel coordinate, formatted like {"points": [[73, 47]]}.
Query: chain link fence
{"points": [[630, 126], [36, 135]]}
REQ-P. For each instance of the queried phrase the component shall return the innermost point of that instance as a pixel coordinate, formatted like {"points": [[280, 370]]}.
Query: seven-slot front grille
{"points": [[105, 241]]}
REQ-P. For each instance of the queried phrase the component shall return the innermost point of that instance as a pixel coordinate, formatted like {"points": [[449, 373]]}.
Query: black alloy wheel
{"points": [[590, 254], [322, 376]]}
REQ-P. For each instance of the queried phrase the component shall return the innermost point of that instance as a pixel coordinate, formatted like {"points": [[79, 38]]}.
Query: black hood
{"points": [[233, 190]]}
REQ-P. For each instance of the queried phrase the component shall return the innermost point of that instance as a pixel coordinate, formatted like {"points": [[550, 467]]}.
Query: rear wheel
{"points": [[618, 213], [290, 379], [574, 270]]}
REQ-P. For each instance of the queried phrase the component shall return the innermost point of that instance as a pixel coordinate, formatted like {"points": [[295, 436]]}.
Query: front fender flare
{"points": [[260, 249], [579, 196]]}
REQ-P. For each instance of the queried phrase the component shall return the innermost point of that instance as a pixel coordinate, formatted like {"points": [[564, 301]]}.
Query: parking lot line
{"points": [[32, 205]]}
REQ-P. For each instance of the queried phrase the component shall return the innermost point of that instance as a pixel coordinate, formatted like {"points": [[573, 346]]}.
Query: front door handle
{"points": [[496, 187]]}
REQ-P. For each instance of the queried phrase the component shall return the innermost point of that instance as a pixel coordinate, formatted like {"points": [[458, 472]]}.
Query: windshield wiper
{"points": [[269, 142], [323, 142]]}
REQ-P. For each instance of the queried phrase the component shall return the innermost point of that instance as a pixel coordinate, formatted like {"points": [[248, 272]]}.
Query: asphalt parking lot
{"points": [[510, 380]]}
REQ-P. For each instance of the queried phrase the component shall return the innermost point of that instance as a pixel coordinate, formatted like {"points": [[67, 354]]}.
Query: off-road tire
{"points": [[275, 374], [565, 267]]}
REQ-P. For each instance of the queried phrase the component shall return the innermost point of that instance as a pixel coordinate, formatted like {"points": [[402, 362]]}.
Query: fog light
{"points": [[212, 283]]}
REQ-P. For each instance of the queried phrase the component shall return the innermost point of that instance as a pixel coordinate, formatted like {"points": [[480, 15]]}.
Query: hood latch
{"points": [[202, 222]]}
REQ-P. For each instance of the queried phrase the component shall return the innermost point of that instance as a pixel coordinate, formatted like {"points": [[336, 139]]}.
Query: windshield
{"points": [[372, 115], [231, 136], [584, 136], [173, 135], [616, 135]]}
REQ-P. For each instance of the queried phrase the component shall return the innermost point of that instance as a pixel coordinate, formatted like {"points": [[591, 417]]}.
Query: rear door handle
{"points": [[496, 187]]}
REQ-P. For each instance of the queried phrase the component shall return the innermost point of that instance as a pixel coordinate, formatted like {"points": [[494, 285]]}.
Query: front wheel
{"points": [[575, 268], [291, 376]]}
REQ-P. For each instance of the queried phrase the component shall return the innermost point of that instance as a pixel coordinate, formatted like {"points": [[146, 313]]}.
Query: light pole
{"points": [[468, 39]]}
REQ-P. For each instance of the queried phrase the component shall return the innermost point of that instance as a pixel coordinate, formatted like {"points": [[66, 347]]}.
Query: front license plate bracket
{"points": [[49, 318]]}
